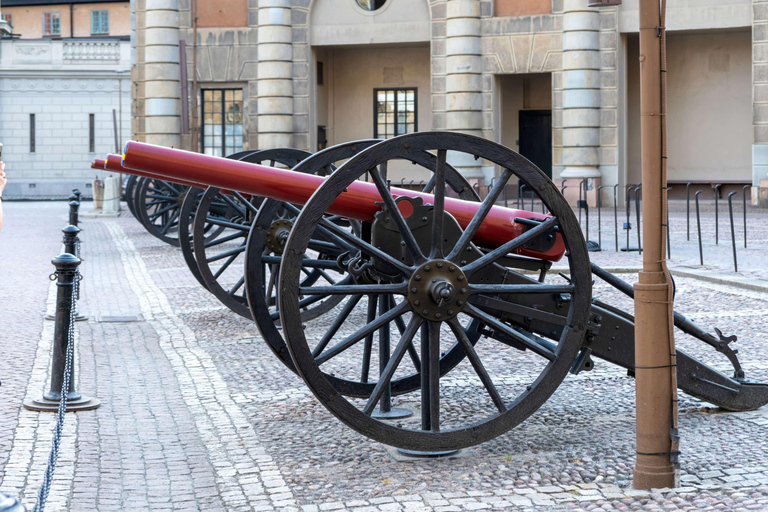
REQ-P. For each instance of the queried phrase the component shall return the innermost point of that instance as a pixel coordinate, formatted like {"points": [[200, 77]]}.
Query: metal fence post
{"points": [[616, 214], [599, 216], [698, 225], [669, 243], [717, 223], [733, 230], [638, 191], [744, 199], [67, 278], [688, 211]]}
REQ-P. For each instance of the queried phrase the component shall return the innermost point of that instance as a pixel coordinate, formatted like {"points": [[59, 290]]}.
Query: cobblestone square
{"points": [[198, 414]]}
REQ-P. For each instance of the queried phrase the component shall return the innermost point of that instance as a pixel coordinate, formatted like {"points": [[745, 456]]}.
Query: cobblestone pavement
{"points": [[198, 414]]}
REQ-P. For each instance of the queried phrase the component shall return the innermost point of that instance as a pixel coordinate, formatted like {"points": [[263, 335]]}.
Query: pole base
{"points": [[8, 504], [418, 454], [83, 403], [78, 317], [629, 249], [593, 246], [395, 413]]}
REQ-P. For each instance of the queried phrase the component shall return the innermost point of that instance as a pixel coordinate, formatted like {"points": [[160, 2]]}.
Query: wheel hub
{"points": [[438, 290], [278, 235]]}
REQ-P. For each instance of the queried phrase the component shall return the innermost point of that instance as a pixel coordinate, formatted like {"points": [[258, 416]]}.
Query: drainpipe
{"points": [[656, 379], [195, 122]]}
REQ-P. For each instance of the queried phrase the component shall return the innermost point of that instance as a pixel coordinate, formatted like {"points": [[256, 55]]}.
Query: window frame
{"points": [[8, 18], [32, 135], [223, 146], [395, 90], [91, 133], [102, 13], [53, 15]]}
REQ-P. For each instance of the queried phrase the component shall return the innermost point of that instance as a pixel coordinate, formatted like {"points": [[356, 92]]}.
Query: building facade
{"points": [[64, 68], [554, 79]]}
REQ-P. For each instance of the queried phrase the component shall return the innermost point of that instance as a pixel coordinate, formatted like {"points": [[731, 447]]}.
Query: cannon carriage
{"points": [[368, 291]]}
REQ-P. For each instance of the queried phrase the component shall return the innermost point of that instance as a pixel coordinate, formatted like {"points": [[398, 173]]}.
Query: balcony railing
{"points": [[91, 50]]}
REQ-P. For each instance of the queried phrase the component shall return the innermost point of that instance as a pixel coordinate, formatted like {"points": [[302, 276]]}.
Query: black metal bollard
{"points": [[688, 211], [72, 246], [717, 213], [698, 225], [67, 278], [78, 195], [744, 200], [733, 230], [616, 214], [74, 206]]}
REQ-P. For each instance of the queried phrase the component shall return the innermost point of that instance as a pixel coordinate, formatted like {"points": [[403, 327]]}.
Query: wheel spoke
{"points": [[386, 375], [355, 289], [368, 346], [168, 225], [161, 211], [414, 355], [520, 288], [362, 332], [482, 212], [233, 204], [434, 375], [397, 217], [271, 285], [439, 207], [510, 246], [336, 325], [477, 364], [245, 201], [236, 286], [496, 324], [222, 240], [224, 266], [226, 254]]}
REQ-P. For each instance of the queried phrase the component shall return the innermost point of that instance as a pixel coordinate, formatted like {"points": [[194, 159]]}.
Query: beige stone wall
{"points": [[709, 97], [504, 8], [516, 93], [222, 13], [28, 20]]}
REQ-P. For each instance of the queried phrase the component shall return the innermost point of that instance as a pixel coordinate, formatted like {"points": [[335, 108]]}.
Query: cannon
{"points": [[465, 286]]}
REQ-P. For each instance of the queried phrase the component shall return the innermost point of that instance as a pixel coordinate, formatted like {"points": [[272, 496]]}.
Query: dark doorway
{"points": [[536, 138]]}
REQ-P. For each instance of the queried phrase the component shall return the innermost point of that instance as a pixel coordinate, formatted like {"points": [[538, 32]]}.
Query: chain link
{"points": [[42, 495]]}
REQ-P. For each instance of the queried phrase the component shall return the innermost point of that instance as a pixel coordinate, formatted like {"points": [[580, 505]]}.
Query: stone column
{"points": [[760, 100], [581, 90], [275, 72], [161, 74], [464, 79]]}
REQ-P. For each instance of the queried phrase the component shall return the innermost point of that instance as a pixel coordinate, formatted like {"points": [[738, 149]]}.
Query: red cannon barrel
{"points": [[357, 202]]}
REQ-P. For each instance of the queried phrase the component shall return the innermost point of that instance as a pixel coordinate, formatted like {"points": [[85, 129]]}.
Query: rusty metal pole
{"points": [[656, 383]]}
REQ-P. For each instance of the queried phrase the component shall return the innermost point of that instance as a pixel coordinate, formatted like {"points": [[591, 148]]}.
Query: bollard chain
{"points": [[45, 488]]}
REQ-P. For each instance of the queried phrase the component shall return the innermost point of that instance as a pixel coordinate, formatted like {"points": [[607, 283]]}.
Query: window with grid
{"points": [[51, 24], [222, 132], [99, 22], [8, 17], [394, 112]]}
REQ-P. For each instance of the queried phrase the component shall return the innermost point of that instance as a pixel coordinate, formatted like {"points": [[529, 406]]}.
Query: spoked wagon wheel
{"points": [[220, 261], [130, 187], [158, 204], [186, 222], [439, 272], [333, 256]]}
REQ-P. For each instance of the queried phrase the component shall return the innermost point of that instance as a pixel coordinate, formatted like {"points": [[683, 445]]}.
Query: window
{"points": [[99, 22], [51, 24], [8, 17], [31, 133], [371, 5], [92, 133], [222, 132], [394, 112]]}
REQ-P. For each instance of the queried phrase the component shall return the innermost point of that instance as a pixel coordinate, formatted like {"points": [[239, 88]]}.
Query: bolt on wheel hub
{"points": [[438, 290], [278, 234]]}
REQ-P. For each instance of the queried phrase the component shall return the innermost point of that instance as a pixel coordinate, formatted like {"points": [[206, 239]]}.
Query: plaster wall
{"points": [[504, 8], [28, 20], [222, 13], [343, 22], [692, 14], [710, 107]]}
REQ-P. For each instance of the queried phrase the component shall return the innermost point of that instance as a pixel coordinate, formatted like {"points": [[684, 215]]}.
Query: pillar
{"points": [[162, 93], [581, 90], [464, 79], [275, 74]]}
